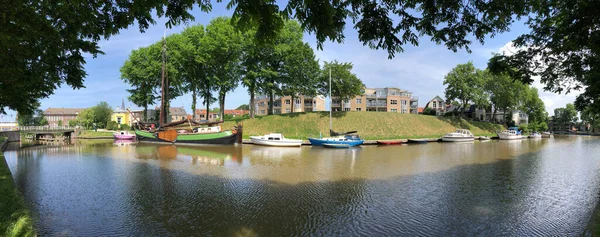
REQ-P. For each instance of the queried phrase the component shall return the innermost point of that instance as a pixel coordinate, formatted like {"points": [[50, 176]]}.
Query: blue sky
{"points": [[419, 69]]}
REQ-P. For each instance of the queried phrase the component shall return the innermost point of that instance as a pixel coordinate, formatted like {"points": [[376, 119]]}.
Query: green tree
{"points": [[102, 113], [72, 123], [142, 71], [465, 83], [300, 72], [565, 115], [535, 109], [35, 118], [591, 117], [243, 107], [344, 84], [86, 118], [60, 123], [505, 93], [222, 48]]}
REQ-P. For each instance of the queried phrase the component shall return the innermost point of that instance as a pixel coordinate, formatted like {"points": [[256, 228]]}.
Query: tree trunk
{"points": [[208, 106], [292, 103], [252, 103], [270, 103], [145, 115], [494, 115], [222, 95], [194, 104], [464, 108]]}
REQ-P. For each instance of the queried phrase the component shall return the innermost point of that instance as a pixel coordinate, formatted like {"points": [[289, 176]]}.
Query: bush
{"points": [[125, 127], [112, 125], [429, 111], [524, 128]]}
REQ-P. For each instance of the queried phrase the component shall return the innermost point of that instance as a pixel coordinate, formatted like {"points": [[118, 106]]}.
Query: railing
{"points": [[376, 104], [414, 98], [45, 128], [336, 105]]}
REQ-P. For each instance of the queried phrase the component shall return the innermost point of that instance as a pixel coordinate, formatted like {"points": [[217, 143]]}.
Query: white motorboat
{"points": [[509, 135], [460, 135], [274, 139], [546, 134], [535, 135]]}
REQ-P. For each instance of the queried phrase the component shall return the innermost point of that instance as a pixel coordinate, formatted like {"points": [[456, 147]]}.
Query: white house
{"points": [[437, 104]]}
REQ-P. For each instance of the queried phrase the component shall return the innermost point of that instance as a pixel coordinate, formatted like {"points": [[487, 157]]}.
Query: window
{"points": [[346, 109], [262, 111], [287, 102], [346, 101], [287, 110], [358, 109], [394, 110], [394, 102], [118, 120], [358, 101], [435, 104], [404, 102], [298, 101]]}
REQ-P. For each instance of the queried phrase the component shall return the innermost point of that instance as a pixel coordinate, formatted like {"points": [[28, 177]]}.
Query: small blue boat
{"points": [[347, 139]]}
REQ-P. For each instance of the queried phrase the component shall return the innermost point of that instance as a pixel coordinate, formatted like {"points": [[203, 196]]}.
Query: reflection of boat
{"points": [[535, 135], [484, 138], [417, 141], [389, 142], [460, 135], [274, 139], [123, 135], [122, 142]]}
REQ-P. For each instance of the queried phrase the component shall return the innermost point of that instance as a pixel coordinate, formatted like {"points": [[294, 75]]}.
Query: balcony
{"points": [[376, 104], [336, 105]]}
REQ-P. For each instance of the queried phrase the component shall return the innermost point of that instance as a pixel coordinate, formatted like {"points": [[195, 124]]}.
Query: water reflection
{"points": [[523, 188]]}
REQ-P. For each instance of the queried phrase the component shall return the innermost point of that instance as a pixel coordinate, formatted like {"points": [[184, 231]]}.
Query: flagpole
{"points": [[330, 101]]}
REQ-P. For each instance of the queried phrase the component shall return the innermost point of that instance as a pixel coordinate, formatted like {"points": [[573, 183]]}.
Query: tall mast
{"points": [[330, 101], [163, 94]]}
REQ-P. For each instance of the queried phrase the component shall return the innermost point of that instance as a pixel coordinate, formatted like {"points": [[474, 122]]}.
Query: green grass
{"points": [[15, 219], [90, 133], [370, 125]]}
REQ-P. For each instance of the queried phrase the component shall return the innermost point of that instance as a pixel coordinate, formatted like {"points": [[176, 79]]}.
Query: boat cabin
{"points": [[272, 137]]}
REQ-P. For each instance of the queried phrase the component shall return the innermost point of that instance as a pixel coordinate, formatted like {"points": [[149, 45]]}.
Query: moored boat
{"points": [[123, 135], [460, 135], [350, 140], [546, 135], [509, 135], [535, 135], [274, 139], [417, 141], [389, 142], [484, 138]]}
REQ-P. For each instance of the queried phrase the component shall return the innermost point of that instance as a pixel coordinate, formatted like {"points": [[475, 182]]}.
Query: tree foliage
{"points": [[35, 118], [535, 109], [565, 115], [102, 114], [465, 83], [344, 84], [591, 117], [243, 107]]}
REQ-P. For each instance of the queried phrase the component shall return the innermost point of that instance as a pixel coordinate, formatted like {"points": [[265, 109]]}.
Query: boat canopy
{"points": [[335, 134]]}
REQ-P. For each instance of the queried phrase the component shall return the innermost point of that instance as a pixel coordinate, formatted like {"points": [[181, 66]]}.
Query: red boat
{"points": [[389, 142]]}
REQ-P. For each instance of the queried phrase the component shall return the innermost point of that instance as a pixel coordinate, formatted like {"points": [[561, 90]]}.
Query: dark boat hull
{"points": [[228, 140]]}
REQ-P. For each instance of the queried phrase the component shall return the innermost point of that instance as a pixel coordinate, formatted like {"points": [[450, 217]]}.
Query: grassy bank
{"points": [[371, 126], [92, 134], [15, 219]]}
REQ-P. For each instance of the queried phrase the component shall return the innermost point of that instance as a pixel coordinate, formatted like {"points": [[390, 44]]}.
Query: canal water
{"points": [[543, 187]]}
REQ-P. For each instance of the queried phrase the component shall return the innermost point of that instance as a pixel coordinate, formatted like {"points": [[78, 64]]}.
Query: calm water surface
{"points": [[533, 187]]}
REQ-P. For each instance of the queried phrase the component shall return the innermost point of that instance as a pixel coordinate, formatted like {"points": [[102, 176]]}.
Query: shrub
{"points": [[112, 125], [125, 127]]}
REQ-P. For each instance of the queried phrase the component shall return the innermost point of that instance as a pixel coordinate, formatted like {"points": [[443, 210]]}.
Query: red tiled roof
{"points": [[236, 111], [420, 110], [62, 111]]}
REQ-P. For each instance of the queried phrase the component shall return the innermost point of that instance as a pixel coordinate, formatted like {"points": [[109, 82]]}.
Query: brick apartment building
{"points": [[379, 99], [283, 104], [54, 115]]}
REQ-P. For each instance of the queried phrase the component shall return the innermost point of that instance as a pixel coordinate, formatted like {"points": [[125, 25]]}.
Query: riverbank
{"points": [[15, 219], [89, 134], [370, 126]]}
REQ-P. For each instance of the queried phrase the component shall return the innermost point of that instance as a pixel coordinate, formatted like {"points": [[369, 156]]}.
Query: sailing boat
{"points": [[336, 139], [186, 131]]}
